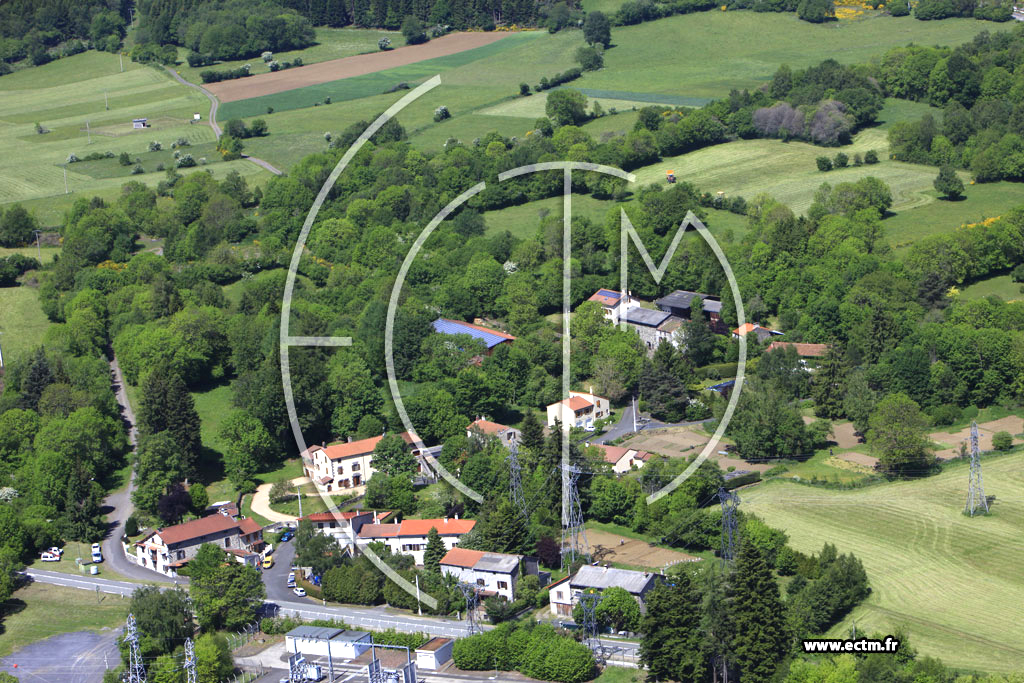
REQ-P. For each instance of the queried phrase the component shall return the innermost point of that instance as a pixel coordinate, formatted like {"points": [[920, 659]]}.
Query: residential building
{"points": [[581, 409], [345, 526], [612, 303], [409, 537], [167, 550], [623, 459], [495, 573], [762, 333], [345, 467], [490, 338], [679, 302], [565, 593], [434, 653], [653, 326], [509, 436]]}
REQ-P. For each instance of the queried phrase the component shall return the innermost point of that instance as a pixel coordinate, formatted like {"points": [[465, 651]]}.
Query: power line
{"points": [[975, 489], [136, 672], [730, 535], [471, 593], [515, 481], [574, 534], [190, 661], [588, 603]]}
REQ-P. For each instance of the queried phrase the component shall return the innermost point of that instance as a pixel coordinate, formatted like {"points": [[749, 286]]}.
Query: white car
{"points": [[95, 548], [291, 580], [56, 551], [301, 592], [50, 557], [97, 556]]}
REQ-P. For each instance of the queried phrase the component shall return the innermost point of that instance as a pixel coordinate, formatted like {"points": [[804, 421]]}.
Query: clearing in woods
{"points": [[953, 582], [22, 322], [609, 547]]}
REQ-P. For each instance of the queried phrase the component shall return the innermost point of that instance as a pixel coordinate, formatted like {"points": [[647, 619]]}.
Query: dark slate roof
{"points": [[321, 632], [489, 337], [646, 316], [682, 299], [712, 306], [590, 576]]}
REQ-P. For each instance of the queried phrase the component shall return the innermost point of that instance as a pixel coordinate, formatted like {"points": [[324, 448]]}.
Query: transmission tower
{"points": [[515, 481], [190, 662], [730, 501], [472, 595], [574, 535], [589, 602], [975, 490], [136, 673]]}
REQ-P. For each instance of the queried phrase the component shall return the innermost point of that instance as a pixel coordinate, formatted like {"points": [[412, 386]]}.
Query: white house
{"points": [[322, 641], [434, 653], [509, 436], [410, 536], [613, 303], [344, 466], [345, 526], [167, 550], [493, 572], [623, 459], [565, 593], [581, 409]]}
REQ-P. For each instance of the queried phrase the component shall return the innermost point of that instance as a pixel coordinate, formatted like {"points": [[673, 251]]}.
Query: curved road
{"points": [[212, 118]]}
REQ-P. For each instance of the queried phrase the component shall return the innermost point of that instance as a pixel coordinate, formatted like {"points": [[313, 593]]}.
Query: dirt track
{"points": [[346, 67]]}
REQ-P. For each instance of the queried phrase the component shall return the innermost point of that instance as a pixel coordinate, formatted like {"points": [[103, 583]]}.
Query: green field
{"points": [[38, 611], [332, 43], [64, 96], [22, 322], [953, 582], [1001, 285], [981, 201], [44, 254]]}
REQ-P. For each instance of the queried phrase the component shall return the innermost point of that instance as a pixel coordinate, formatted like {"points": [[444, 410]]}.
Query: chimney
{"points": [[444, 519], [350, 438], [456, 515]]}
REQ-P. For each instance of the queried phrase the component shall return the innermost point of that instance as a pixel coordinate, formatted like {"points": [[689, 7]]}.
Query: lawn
{"points": [[524, 220], [44, 254], [952, 581], [22, 322], [331, 43], [39, 611], [619, 674], [1001, 285]]}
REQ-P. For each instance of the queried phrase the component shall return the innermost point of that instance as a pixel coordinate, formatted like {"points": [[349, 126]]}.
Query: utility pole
{"points": [[419, 608], [106, 102], [190, 661], [88, 132], [120, 56], [574, 535], [634, 413], [299, 492], [65, 167], [39, 253]]}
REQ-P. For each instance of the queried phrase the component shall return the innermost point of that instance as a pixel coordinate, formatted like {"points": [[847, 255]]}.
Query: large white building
{"points": [[496, 573], [564, 594], [325, 641], [345, 526], [581, 409], [344, 467], [409, 537], [167, 550]]}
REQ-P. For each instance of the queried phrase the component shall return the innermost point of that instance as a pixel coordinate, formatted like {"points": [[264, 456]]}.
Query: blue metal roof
{"points": [[491, 339]]}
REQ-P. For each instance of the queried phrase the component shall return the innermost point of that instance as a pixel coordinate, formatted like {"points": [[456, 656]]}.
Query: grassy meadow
{"points": [[22, 322], [1002, 286], [953, 582], [63, 97]]}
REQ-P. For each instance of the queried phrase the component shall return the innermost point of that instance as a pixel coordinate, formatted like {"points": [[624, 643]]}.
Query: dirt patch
{"points": [[609, 547], [859, 459], [346, 67], [844, 435], [808, 419], [1012, 424], [678, 442]]}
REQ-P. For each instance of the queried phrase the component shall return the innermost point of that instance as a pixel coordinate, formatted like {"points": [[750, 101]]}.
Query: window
{"points": [[181, 554], [355, 467], [479, 582], [559, 594], [227, 542], [356, 480], [502, 584]]}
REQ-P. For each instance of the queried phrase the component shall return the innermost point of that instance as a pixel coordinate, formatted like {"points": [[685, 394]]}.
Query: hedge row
{"points": [[535, 650]]}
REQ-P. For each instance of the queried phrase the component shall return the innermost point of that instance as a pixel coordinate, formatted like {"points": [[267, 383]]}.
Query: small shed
{"points": [[350, 644], [434, 653], [139, 123], [311, 641]]}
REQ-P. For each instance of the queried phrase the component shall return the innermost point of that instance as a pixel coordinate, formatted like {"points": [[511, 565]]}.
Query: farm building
{"points": [[679, 302], [495, 573], [653, 326], [802, 350], [434, 653], [761, 332], [140, 123]]}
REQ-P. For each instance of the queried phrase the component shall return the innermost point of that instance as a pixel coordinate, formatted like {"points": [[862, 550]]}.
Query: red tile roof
{"points": [[487, 427], [613, 454], [197, 528], [747, 327], [356, 448], [239, 553], [445, 527], [460, 557], [379, 530], [249, 526], [607, 297], [348, 514], [576, 403], [805, 350]]}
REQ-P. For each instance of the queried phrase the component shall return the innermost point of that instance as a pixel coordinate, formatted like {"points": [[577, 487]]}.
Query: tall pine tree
{"points": [[166, 405], [533, 431], [434, 552], [827, 385], [756, 615], [672, 646], [39, 377]]}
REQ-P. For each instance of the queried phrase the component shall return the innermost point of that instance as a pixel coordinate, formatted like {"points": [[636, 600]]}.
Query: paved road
{"points": [[79, 657], [118, 505], [624, 426], [212, 118]]}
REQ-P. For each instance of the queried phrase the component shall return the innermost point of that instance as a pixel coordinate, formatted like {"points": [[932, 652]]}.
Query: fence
{"points": [[240, 638]]}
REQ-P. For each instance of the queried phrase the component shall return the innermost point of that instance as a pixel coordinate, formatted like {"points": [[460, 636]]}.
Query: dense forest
{"points": [[43, 29]]}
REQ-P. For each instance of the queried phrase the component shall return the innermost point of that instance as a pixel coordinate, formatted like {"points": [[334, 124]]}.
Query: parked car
{"points": [[301, 592], [268, 562], [96, 548], [291, 580], [287, 536], [56, 551], [50, 557], [97, 556]]}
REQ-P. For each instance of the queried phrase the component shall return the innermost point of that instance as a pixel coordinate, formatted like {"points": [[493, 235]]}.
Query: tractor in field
{"points": [[670, 176]]}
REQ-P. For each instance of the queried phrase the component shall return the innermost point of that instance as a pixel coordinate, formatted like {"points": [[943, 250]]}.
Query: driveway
{"points": [[261, 502]]}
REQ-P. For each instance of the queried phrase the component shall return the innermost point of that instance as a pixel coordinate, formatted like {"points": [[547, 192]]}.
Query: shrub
{"points": [[72, 158], [824, 163], [327, 100], [1018, 273], [858, 160], [159, 167], [186, 161], [137, 169], [945, 414], [524, 89], [413, 31], [270, 110], [589, 58], [155, 146], [210, 76], [841, 160], [1002, 441], [124, 159], [274, 65], [267, 56], [384, 43], [870, 157], [195, 59], [441, 113], [899, 8], [131, 526]]}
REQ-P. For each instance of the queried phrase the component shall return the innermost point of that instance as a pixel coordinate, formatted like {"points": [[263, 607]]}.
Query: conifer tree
{"points": [[757, 617], [434, 552], [533, 431], [672, 645], [827, 385], [39, 377]]}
